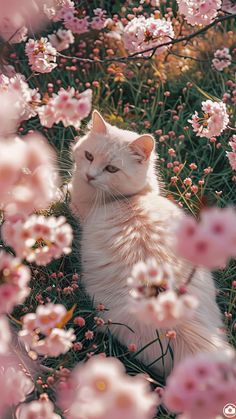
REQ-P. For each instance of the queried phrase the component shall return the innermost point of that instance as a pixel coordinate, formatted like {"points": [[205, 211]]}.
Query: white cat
{"points": [[116, 195]]}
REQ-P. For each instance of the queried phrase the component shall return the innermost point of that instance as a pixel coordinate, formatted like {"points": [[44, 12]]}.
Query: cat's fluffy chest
{"points": [[117, 236]]}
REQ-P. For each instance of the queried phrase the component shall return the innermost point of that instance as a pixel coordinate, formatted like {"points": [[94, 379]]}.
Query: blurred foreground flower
{"points": [[38, 239], [37, 409], [5, 335], [14, 279], [199, 12], [19, 102], [68, 106], [213, 122], [14, 383], [211, 242], [100, 389], [61, 39], [154, 299], [201, 386], [141, 34], [28, 179]]}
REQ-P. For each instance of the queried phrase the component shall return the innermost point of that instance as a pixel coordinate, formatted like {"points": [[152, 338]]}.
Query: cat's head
{"points": [[117, 161]]}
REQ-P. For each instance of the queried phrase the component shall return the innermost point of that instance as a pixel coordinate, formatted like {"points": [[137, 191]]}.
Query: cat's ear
{"points": [[143, 146], [98, 124]]}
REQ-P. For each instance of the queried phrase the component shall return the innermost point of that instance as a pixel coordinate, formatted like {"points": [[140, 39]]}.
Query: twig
{"points": [[139, 55]]}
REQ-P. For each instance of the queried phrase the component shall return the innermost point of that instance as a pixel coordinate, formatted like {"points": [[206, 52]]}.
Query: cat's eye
{"points": [[88, 156], [111, 169]]}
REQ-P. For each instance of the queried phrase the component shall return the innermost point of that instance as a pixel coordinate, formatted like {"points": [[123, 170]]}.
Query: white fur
{"points": [[125, 220]]}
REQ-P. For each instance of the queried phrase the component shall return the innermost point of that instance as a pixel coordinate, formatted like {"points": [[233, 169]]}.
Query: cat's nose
{"points": [[89, 177]]}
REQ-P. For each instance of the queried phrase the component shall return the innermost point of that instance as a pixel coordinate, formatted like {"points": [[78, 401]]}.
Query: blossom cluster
{"points": [[15, 278], [222, 59], [153, 297], [39, 239], [232, 154], [199, 12], [114, 394], [41, 55], [141, 34], [201, 386], [65, 11], [211, 242], [19, 100], [48, 320], [68, 106], [213, 122]]}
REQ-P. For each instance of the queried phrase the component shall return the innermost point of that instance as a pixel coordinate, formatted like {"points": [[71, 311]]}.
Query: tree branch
{"points": [[138, 55]]}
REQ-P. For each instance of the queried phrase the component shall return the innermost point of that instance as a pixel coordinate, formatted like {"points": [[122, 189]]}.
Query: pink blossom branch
{"points": [[138, 55]]}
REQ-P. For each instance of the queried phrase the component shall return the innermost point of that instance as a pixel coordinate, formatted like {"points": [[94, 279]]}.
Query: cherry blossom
{"points": [[37, 409], [99, 19], [68, 106], [211, 242], [213, 122], [14, 282], [153, 298], [114, 394], [41, 55], [58, 342], [61, 39], [24, 101], [222, 59], [56, 10], [45, 318], [199, 12], [141, 34], [39, 239], [202, 385], [232, 154]]}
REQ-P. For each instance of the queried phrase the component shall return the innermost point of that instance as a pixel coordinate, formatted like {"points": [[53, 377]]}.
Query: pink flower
{"points": [[76, 25], [154, 300], [201, 386], [212, 241], [27, 175], [228, 6], [214, 120], [45, 318], [61, 39], [37, 409], [199, 12], [41, 55], [5, 336], [14, 282], [232, 154], [68, 106], [39, 239], [141, 34], [23, 99], [222, 59], [58, 342], [99, 19], [56, 10], [114, 394]]}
